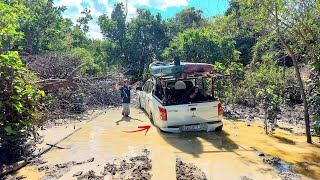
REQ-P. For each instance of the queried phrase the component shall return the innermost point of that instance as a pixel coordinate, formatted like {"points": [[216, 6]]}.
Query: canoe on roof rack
{"points": [[197, 67], [159, 69], [165, 69]]}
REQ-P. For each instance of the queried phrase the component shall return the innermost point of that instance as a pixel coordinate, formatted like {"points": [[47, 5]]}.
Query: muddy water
{"points": [[30, 172], [224, 155], [293, 149]]}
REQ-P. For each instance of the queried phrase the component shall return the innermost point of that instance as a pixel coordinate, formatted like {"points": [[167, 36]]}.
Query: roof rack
{"points": [[195, 75]]}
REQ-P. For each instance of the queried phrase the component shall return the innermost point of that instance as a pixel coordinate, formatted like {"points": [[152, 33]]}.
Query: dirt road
{"points": [[219, 155]]}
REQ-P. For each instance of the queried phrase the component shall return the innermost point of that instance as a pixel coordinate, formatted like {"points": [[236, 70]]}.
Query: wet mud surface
{"points": [[89, 175], [284, 170], [186, 171], [58, 170], [128, 168], [137, 167], [213, 155]]}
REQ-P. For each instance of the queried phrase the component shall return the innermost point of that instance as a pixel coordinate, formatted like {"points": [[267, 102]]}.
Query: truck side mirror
{"points": [[139, 88]]}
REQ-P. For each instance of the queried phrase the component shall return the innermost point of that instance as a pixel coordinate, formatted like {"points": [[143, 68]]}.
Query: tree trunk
{"points": [[296, 67], [301, 88]]}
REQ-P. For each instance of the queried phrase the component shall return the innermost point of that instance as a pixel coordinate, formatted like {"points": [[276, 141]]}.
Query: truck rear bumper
{"points": [[210, 127]]}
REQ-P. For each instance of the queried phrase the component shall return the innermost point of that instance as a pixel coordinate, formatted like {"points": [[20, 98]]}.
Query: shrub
{"points": [[271, 104], [91, 69], [262, 75], [226, 86], [314, 97], [20, 104]]}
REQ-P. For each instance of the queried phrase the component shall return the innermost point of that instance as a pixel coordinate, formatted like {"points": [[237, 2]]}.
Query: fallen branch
{"points": [[95, 78], [52, 84], [69, 92], [62, 83], [73, 73], [13, 167], [48, 81], [56, 146]]}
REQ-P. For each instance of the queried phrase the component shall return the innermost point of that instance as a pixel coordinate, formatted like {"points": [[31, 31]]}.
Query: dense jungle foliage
{"points": [[269, 49]]}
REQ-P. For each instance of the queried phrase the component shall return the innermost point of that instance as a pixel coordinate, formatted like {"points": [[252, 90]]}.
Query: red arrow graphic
{"points": [[142, 128]]}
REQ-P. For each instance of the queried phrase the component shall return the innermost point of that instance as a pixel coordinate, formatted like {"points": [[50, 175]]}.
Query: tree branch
{"points": [[73, 73]]}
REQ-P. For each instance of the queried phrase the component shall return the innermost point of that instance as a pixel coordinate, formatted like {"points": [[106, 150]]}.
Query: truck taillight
{"points": [[219, 109], [163, 113]]}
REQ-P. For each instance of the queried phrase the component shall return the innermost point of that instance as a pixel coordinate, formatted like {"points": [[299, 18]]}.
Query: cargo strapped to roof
{"points": [[192, 76]]}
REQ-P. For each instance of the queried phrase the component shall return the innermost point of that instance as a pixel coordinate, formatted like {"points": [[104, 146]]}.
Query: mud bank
{"points": [[291, 115]]}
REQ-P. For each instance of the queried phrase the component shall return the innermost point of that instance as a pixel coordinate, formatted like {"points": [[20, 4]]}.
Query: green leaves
{"points": [[269, 90], [83, 21], [17, 106], [21, 127], [135, 43], [114, 27], [186, 19], [42, 25], [316, 127], [202, 45], [9, 16], [19, 100], [260, 93], [316, 66], [41, 92], [9, 130]]}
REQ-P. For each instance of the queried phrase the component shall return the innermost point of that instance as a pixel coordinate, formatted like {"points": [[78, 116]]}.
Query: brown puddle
{"points": [[220, 155], [30, 172], [293, 149]]}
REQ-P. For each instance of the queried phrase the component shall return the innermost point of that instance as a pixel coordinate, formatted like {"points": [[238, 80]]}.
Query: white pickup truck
{"points": [[177, 105]]}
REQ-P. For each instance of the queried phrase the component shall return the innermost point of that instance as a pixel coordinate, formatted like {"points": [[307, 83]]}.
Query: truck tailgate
{"points": [[192, 113]]}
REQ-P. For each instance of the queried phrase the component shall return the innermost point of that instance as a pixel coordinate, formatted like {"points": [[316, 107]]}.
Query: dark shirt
{"points": [[125, 94]]}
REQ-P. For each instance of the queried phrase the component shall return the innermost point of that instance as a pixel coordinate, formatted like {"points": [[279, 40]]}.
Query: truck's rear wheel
{"points": [[140, 104], [219, 128], [151, 118]]}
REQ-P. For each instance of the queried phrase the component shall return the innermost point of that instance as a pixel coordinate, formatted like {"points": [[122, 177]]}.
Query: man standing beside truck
{"points": [[125, 95]]}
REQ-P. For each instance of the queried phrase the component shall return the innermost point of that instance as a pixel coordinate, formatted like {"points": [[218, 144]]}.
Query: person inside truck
{"points": [[160, 88], [198, 94], [185, 91]]}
